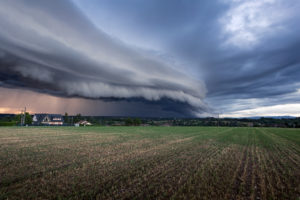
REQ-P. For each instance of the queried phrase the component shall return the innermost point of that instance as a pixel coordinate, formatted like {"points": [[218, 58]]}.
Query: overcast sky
{"points": [[172, 58]]}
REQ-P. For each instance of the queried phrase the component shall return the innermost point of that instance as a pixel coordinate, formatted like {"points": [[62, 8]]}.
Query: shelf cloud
{"points": [[158, 58], [51, 47]]}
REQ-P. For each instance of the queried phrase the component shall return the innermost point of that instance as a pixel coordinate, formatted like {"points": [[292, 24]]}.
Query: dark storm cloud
{"points": [[242, 49], [51, 47]]}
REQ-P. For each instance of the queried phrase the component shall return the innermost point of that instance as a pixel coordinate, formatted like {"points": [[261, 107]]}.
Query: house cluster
{"points": [[48, 119], [53, 120]]}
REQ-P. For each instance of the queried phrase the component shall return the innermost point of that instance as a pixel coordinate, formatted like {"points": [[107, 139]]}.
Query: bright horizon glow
{"points": [[271, 111], [8, 110]]}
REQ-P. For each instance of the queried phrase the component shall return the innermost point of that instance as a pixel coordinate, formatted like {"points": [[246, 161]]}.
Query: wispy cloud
{"points": [[247, 22]]}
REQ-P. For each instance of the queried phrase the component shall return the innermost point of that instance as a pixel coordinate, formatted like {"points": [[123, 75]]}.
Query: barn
{"points": [[83, 123]]}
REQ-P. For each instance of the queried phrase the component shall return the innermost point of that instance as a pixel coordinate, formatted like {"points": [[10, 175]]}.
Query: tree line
{"points": [[12, 120]]}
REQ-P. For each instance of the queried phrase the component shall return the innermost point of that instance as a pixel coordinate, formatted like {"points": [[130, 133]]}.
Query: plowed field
{"points": [[149, 163]]}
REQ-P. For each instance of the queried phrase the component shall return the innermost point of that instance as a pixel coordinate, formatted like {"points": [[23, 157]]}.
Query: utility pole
{"points": [[21, 122], [22, 118], [23, 115]]}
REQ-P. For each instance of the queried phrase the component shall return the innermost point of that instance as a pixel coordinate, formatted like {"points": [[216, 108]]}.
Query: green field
{"points": [[149, 163]]}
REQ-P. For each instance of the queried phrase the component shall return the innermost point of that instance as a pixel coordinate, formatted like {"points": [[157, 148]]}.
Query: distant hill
{"points": [[7, 115], [272, 117]]}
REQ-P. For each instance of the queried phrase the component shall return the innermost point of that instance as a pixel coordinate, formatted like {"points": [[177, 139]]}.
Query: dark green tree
{"points": [[128, 122], [77, 118], [28, 118], [137, 122], [18, 119], [66, 118]]}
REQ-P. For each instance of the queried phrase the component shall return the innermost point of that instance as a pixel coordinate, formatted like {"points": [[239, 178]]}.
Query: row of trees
{"points": [[234, 122], [12, 120], [72, 119], [114, 121], [133, 122]]}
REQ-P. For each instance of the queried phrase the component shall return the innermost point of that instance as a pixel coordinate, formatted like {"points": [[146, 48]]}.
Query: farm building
{"points": [[47, 119], [83, 123]]}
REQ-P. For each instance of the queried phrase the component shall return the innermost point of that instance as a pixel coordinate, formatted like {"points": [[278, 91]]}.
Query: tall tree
{"points": [[128, 122], [66, 118], [28, 118], [137, 121]]}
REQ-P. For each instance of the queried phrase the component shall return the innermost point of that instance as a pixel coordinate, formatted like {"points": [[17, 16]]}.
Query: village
{"points": [[56, 120]]}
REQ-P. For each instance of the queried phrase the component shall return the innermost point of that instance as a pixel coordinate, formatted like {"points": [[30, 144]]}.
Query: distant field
{"points": [[149, 163]]}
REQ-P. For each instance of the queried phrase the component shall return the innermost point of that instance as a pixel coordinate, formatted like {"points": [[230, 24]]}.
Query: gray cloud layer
{"points": [[244, 51], [49, 46]]}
